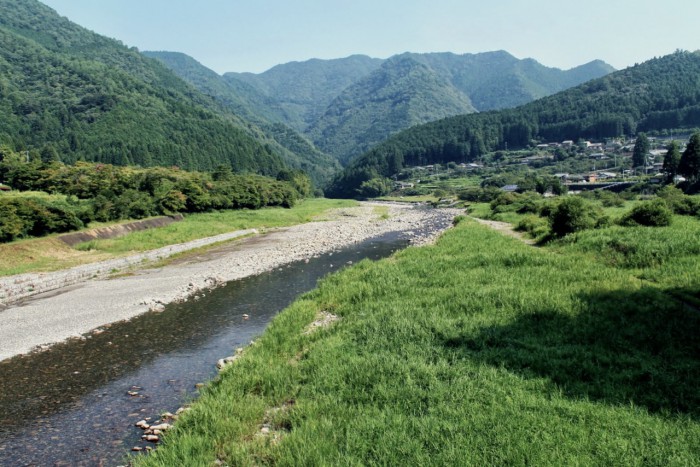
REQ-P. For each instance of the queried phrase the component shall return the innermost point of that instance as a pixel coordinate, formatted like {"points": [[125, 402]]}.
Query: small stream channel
{"points": [[72, 405]]}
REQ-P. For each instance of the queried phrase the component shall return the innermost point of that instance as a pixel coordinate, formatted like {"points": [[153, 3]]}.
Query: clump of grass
{"points": [[639, 247], [382, 212], [535, 226]]}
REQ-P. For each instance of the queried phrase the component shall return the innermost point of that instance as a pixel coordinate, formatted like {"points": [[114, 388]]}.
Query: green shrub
{"points": [[522, 203], [11, 225], [679, 202], [503, 200], [654, 213], [21, 217], [573, 214], [528, 202], [414, 192]]}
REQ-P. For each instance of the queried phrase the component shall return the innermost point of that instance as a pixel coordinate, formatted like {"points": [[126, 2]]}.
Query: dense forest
{"points": [[54, 197], [68, 93], [663, 93]]}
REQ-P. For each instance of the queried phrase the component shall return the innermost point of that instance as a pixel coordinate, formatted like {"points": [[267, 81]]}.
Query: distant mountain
{"points": [[348, 105], [659, 94], [245, 101], [302, 90], [66, 90], [403, 92], [497, 80]]}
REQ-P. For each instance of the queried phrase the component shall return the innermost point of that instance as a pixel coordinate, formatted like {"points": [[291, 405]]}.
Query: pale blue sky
{"points": [[254, 35]]}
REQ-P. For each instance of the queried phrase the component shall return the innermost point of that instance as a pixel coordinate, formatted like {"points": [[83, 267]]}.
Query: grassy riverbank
{"points": [[480, 350], [50, 254]]}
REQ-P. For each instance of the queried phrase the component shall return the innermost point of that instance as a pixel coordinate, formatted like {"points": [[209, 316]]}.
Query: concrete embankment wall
{"points": [[119, 230]]}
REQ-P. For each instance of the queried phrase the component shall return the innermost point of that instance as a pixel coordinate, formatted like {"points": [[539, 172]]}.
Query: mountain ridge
{"points": [[335, 104], [662, 93]]}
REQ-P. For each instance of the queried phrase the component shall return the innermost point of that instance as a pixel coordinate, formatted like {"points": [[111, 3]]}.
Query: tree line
{"points": [[87, 192]]}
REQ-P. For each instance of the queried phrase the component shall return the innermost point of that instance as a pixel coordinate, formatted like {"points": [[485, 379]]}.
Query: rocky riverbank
{"points": [[77, 309]]}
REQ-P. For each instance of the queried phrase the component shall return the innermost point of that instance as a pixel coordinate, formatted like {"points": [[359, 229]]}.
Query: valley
{"points": [[430, 258]]}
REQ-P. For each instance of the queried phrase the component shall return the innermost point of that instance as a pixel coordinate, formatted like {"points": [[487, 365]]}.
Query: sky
{"points": [[255, 35]]}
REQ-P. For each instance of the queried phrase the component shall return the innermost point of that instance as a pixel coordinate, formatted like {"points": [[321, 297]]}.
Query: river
{"points": [[77, 403]]}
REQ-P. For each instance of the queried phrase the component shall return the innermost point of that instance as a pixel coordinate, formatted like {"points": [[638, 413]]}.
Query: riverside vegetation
{"points": [[479, 350], [87, 192], [50, 254]]}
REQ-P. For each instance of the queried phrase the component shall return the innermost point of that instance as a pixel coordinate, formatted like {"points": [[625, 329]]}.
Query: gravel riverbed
{"points": [[80, 303]]}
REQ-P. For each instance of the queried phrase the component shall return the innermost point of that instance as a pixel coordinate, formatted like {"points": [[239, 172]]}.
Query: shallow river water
{"points": [[77, 403]]}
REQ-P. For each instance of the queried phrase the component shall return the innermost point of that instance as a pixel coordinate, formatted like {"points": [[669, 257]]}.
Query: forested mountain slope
{"points": [[245, 101], [403, 92], [658, 94], [497, 80], [302, 90], [68, 93]]}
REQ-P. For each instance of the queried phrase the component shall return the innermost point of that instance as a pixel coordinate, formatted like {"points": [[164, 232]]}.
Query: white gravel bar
{"points": [[82, 301]]}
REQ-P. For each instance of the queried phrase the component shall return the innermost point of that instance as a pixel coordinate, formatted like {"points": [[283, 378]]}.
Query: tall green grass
{"points": [[477, 351]]}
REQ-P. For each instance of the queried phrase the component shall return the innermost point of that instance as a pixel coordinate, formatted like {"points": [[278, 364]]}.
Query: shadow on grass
{"points": [[623, 347]]}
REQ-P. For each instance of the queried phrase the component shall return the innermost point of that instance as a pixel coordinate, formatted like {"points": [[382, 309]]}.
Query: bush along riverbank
{"points": [[480, 350]]}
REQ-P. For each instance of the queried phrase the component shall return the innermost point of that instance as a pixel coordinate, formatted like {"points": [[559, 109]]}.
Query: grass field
{"points": [[480, 350], [49, 253]]}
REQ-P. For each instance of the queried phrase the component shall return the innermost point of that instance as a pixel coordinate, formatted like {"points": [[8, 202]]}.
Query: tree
{"points": [[672, 160], [689, 165], [641, 149], [49, 154]]}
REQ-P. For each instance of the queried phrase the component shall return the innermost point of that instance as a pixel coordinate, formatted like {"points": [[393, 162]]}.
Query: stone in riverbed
{"points": [[161, 427], [143, 424], [222, 362]]}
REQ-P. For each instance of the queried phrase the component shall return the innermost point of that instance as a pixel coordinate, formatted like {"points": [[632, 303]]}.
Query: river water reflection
{"points": [[77, 403]]}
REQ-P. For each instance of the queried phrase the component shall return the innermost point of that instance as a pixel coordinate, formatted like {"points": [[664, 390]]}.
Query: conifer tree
{"points": [[689, 165], [671, 161], [641, 149]]}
